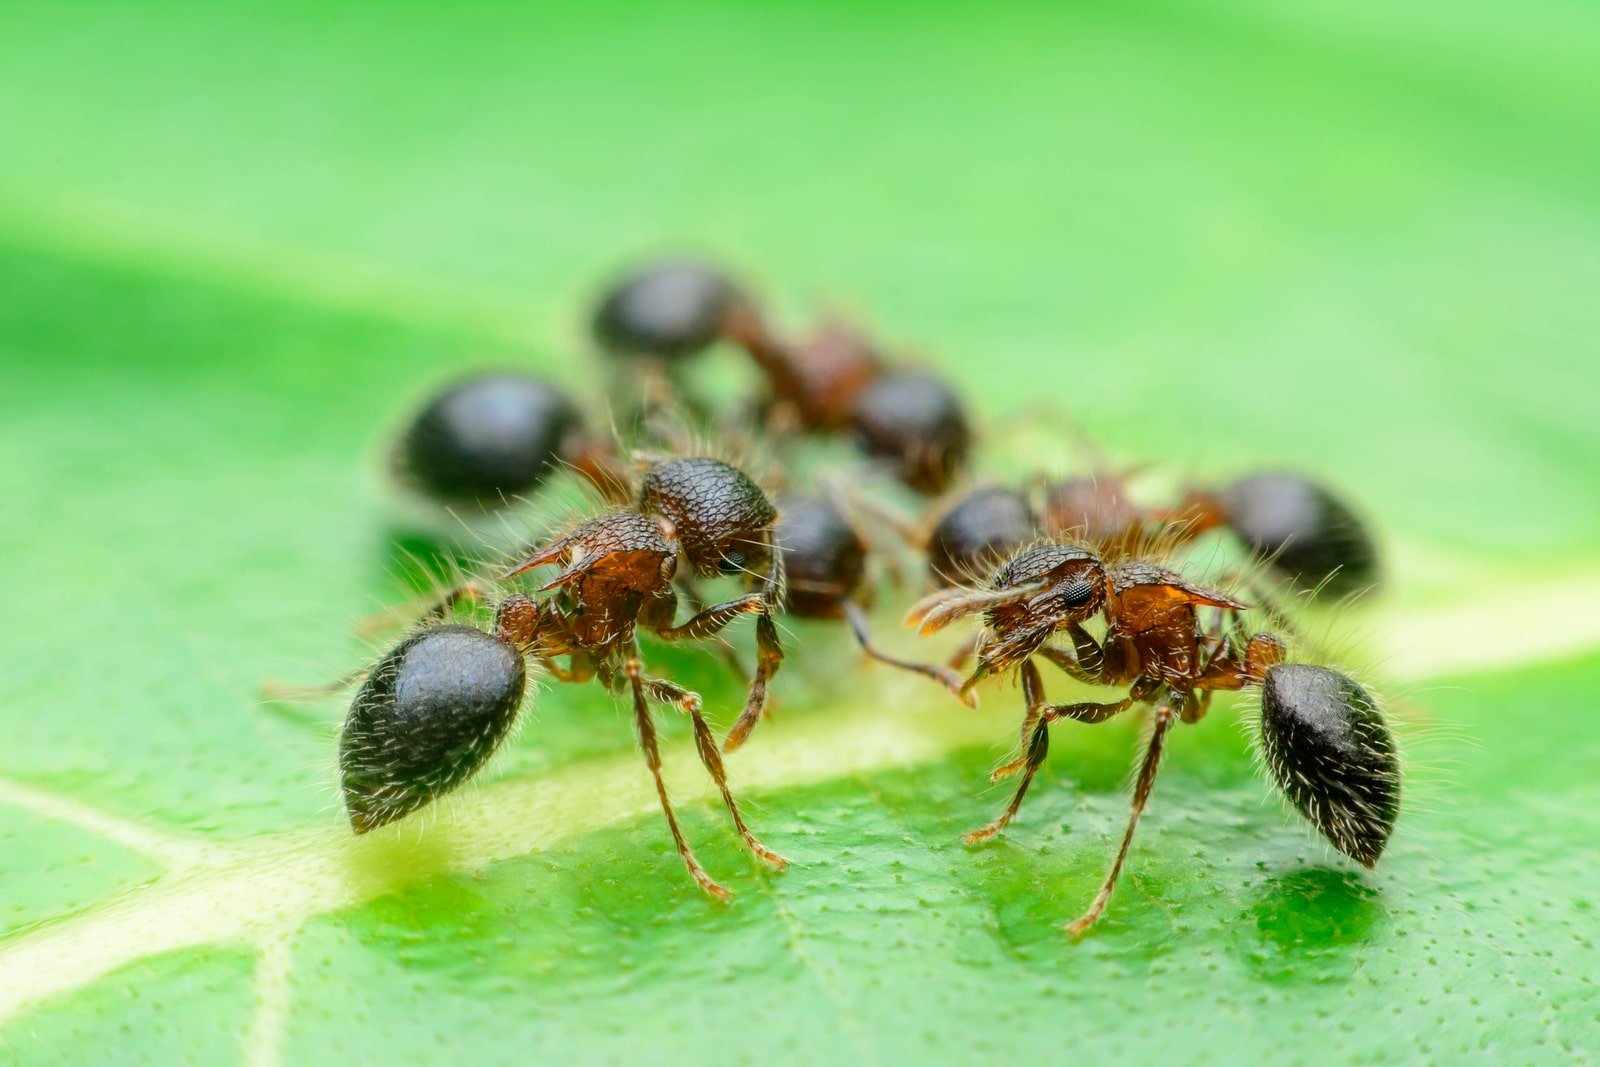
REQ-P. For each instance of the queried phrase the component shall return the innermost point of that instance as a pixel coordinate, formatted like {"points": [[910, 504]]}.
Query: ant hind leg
{"points": [[769, 656]]}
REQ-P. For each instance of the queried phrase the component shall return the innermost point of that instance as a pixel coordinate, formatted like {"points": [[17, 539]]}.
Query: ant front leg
{"points": [[856, 616], [652, 758], [769, 652], [711, 757], [1141, 794], [1036, 741], [1086, 664], [712, 620], [964, 652], [726, 651]]}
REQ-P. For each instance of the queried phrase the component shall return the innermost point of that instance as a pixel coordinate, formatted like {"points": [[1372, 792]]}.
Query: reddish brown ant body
{"points": [[619, 572], [836, 381], [616, 575], [1326, 745]]}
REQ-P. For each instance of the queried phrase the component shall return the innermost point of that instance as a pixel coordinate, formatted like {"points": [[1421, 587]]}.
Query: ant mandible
{"points": [[1326, 745]]}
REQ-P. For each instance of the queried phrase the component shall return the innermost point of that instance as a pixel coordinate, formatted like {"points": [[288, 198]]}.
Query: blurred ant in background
{"points": [[1299, 529], [485, 440], [1324, 741], [831, 383]]}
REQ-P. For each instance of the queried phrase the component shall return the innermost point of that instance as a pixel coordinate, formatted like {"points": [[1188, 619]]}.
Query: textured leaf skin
{"points": [[239, 244]]}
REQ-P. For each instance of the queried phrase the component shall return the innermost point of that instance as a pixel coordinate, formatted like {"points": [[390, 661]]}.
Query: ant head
{"points": [[488, 438], [1073, 582], [1048, 585], [722, 519], [620, 548], [670, 310], [916, 422]]}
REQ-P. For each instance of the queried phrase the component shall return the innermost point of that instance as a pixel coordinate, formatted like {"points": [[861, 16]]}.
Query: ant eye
{"points": [[1078, 593], [732, 561]]}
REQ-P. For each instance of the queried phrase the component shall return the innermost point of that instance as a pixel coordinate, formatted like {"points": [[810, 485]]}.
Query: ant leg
{"points": [[578, 669], [769, 655], [1089, 711], [861, 628], [712, 759], [652, 758], [725, 650], [1037, 748], [713, 619], [1141, 794], [1069, 665]]}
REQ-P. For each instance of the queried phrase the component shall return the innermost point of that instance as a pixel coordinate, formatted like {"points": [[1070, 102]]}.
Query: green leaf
{"points": [[1346, 237]]}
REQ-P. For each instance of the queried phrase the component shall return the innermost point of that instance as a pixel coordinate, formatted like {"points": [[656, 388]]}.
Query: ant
{"points": [[1297, 527], [825, 567], [620, 572], [833, 382], [435, 708], [1326, 745], [836, 381], [487, 438]]}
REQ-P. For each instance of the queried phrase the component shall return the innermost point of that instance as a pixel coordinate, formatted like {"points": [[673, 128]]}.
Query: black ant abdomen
{"points": [[977, 532], [824, 557], [670, 310], [1329, 750], [1305, 530], [428, 716], [489, 437], [917, 423]]}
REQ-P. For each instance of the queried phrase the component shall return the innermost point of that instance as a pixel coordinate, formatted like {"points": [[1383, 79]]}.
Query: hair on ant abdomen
{"points": [[1171, 644], [427, 718]]}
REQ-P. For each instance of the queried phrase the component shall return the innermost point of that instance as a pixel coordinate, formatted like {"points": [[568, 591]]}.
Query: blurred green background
{"points": [[237, 241]]}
